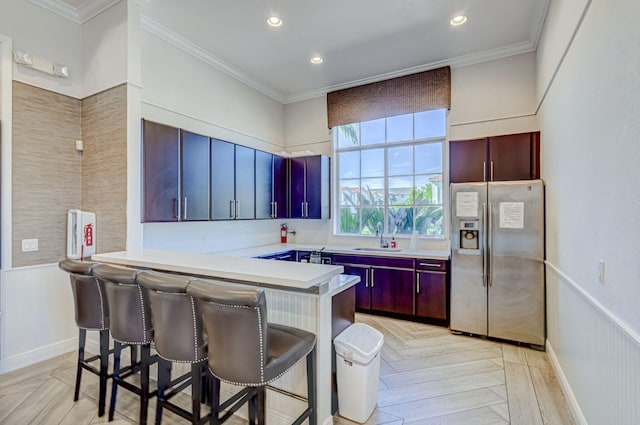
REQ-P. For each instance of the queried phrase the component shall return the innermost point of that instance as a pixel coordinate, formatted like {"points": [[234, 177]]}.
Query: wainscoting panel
{"points": [[37, 316], [596, 357]]}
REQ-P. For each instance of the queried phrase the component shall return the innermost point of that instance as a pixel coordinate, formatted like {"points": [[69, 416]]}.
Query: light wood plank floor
{"points": [[428, 376]]}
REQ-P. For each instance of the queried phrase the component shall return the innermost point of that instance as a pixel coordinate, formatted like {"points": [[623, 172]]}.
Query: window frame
{"points": [[443, 140]]}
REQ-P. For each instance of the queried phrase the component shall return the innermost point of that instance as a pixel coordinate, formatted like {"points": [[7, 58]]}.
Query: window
{"points": [[390, 171]]}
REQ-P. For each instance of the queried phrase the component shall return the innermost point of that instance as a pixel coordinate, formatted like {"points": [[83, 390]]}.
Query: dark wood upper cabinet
{"points": [[264, 185], [190, 177], [467, 160], [497, 158], [160, 172], [195, 177], [514, 157], [279, 195], [245, 181], [222, 180], [232, 181], [310, 187], [271, 186]]}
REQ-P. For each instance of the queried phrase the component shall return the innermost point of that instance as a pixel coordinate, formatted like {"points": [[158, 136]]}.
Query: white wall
{"points": [[104, 50], [559, 28], [590, 151], [180, 83], [47, 35], [184, 92], [492, 98]]}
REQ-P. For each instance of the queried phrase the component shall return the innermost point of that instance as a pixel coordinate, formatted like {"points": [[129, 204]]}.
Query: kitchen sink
{"points": [[378, 249]]}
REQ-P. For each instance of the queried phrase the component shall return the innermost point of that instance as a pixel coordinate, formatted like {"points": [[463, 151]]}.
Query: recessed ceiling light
{"points": [[274, 21], [458, 20], [316, 60]]}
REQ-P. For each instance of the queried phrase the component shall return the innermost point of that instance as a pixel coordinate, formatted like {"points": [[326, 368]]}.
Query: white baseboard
{"points": [[576, 411], [35, 356]]}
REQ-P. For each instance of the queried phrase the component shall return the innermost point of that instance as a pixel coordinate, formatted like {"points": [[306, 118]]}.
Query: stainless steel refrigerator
{"points": [[497, 244]]}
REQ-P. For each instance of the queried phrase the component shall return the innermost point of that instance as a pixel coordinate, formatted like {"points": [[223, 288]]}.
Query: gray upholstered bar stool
{"points": [[130, 325], [179, 338], [92, 313], [246, 350]]}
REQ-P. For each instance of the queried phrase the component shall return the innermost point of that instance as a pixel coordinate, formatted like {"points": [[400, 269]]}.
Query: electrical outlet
{"points": [[601, 271], [29, 245]]}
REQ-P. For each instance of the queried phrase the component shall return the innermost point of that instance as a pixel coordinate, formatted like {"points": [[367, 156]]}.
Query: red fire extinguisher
{"points": [[88, 234], [283, 233]]}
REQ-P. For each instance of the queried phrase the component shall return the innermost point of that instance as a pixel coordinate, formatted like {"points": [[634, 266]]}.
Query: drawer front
{"points": [[433, 265], [393, 262]]}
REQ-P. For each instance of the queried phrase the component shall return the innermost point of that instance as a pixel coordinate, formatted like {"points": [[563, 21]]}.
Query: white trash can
{"points": [[358, 369]]}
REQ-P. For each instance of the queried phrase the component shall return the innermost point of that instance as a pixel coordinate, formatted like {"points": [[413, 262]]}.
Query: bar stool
{"points": [[130, 326], [179, 338], [246, 350], [92, 313]]}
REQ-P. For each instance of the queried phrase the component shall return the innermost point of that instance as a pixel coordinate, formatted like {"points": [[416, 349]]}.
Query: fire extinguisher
{"points": [[283, 233]]}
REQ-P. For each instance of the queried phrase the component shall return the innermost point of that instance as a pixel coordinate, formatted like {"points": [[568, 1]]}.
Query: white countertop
{"points": [[301, 276], [272, 249]]}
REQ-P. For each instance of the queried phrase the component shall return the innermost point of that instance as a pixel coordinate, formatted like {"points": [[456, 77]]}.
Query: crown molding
{"points": [[460, 61], [176, 40], [539, 17], [79, 15]]}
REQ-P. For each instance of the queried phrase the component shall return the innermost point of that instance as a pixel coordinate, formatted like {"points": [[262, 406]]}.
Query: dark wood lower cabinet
{"points": [[392, 290], [431, 295], [404, 287], [363, 292]]}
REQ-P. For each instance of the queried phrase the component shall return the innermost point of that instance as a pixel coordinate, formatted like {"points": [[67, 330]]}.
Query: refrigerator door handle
{"points": [[489, 247], [485, 259]]}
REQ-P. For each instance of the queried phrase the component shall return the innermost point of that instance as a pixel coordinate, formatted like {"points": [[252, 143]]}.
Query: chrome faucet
{"points": [[380, 230]]}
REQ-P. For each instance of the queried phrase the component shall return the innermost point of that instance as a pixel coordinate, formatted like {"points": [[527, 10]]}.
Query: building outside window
{"points": [[389, 171]]}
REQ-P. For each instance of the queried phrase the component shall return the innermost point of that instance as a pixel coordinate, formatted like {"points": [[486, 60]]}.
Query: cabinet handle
{"points": [[484, 171], [176, 207], [231, 205], [430, 265], [275, 209], [417, 283], [302, 208], [366, 278], [306, 209], [185, 208], [237, 211], [491, 170], [372, 277]]}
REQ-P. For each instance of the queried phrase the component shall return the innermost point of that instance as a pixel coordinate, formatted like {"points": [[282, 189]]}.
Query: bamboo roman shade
{"points": [[423, 91]]}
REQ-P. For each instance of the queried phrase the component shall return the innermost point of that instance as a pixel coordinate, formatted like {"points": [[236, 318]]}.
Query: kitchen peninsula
{"points": [[314, 297]]}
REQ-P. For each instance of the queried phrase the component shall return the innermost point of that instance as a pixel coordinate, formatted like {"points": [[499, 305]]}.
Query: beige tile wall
{"points": [[46, 171], [104, 165]]}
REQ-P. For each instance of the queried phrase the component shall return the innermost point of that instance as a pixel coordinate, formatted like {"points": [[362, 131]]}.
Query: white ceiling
{"points": [[360, 40]]}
